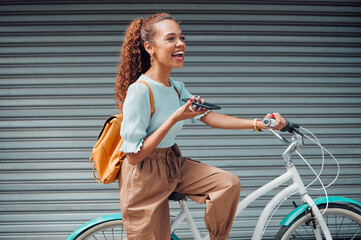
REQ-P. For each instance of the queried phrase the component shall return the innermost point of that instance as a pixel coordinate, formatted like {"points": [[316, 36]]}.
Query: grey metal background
{"points": [[58, 63]]}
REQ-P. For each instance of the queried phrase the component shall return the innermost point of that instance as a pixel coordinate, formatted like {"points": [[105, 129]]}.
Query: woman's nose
{"points": [[180, 43]]}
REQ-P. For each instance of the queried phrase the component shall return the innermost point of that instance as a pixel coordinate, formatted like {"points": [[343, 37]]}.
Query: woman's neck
{"points": [[159, 75]]}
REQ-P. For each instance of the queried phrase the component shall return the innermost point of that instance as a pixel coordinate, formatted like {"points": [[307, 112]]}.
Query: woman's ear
{"points": [[148, 47]]}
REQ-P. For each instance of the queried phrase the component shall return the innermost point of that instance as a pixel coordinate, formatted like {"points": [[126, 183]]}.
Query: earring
{"points": [[151, 60]]}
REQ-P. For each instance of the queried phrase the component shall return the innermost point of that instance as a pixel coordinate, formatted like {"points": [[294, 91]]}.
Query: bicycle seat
{"points": [[177, 196]]}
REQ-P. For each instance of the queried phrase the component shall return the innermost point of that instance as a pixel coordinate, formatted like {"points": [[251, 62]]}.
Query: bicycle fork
{"points": [[315, 212], [320, 222]]}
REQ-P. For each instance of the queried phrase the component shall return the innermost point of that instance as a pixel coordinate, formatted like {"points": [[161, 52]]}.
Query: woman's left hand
{"points": [[280, 121]]}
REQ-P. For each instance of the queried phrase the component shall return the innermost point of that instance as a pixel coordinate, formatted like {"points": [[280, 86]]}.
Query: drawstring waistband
{"points": [[172, 160], [172, 165]]}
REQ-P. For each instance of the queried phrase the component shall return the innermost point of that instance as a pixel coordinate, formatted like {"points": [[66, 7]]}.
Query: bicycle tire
{"points": [[109, 230], [343, 221]]}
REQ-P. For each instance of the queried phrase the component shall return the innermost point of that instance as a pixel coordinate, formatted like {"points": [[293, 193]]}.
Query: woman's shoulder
{"points": [[138, 88]]}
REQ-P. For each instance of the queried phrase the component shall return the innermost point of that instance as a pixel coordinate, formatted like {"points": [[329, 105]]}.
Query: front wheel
{"points": [[343, 222]]}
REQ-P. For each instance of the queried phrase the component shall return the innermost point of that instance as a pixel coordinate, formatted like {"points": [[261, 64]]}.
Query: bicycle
{"points": [[322, 218]]}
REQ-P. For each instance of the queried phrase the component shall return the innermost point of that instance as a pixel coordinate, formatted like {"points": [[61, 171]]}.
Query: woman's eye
{"points": [[173, 38]]}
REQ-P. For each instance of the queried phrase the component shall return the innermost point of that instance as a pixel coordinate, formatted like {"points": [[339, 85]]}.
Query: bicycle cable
{"points": [[323, 160], [323, 187], [317, 178]]}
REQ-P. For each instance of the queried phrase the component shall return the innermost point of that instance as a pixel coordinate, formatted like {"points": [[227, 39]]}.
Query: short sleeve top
{"points": [[138, 123]]}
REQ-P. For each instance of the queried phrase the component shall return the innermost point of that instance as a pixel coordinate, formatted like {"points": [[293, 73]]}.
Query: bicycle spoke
{"points": [[300, 237], [339, 229], [358, 230], [308, 233], [348, 230], [121, 233], [104, 235], [335, 217]]}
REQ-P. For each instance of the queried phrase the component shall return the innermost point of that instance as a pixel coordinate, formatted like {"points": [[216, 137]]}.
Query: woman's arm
{"points": [[218, 120], [152, 141]]}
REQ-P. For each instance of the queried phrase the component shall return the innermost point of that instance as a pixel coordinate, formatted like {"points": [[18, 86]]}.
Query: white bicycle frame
{"points": [[296, 186]]}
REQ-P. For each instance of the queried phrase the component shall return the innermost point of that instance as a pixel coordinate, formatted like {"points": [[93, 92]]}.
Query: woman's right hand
{"points": [[187, 111]]}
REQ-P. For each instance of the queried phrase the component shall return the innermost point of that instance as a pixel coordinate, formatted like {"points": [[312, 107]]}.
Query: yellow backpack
{"points": [[106, 155]]}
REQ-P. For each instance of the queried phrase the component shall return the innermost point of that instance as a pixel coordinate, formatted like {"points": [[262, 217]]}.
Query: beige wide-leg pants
{"points": [[145, 187]]}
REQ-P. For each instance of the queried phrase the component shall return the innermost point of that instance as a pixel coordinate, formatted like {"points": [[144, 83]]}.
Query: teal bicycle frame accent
{"points": [[174, 237], [302, 208]]}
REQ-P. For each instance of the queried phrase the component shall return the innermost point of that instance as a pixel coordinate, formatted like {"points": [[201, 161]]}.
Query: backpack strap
{"points": [[177, 91], [150, 95], [105, 124]]}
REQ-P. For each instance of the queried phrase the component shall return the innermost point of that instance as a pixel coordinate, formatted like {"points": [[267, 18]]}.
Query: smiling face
{"points": [[168, 46]]}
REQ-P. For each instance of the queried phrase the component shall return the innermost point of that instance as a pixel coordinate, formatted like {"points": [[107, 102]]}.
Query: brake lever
{"points": [[284, 140]]}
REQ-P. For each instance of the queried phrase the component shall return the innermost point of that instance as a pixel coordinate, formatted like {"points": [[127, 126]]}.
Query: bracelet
{"points": [[255, 125]]}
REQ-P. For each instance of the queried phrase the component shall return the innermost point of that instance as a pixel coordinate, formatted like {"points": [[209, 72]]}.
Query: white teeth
{"points": [[177, 53]]}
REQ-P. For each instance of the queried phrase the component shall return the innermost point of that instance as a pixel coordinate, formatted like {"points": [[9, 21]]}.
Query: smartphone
{"points": [[203, 105]]}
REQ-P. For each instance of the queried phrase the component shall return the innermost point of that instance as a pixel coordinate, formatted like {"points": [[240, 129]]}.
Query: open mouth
{"points": [[178, 55]]}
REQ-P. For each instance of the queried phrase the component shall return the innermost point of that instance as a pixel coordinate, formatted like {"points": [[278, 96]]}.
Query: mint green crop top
{"points": [[137, 121]]}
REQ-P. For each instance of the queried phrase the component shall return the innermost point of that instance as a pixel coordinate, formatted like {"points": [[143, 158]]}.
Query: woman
{"points": [[154, 167]]}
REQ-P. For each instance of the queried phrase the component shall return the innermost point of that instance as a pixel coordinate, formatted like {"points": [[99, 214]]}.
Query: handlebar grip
{"points": [[269, 122], [290, 127]]}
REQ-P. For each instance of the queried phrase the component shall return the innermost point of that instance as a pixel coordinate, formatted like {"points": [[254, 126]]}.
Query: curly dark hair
{"points": [[134, 59]]}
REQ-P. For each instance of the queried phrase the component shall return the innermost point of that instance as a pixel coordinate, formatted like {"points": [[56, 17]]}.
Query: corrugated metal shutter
{"points": [[58, 64]]}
